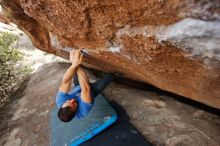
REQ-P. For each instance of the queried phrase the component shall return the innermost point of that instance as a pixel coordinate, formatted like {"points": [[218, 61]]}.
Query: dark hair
{"points": [[66, 114]]}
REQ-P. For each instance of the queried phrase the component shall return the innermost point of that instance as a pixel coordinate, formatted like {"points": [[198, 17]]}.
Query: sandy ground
{"points": [[159, 117]]}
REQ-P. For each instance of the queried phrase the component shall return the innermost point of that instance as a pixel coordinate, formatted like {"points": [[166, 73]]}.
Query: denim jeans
{"points": [[98, 86]]}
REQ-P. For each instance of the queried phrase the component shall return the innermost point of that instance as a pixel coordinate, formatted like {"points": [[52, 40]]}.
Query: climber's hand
{"points": [[75, 57]]}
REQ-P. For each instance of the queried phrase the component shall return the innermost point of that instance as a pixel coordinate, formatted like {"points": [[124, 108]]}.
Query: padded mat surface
{"points": [[78, 131], [121, 133]]}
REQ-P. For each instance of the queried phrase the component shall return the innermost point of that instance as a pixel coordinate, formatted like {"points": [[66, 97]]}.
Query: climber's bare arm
{"points": [[76, 59], [84, 84], [66, 81]]}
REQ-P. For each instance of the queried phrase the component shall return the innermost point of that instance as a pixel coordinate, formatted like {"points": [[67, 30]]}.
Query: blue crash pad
{"points": [[78, 131]]}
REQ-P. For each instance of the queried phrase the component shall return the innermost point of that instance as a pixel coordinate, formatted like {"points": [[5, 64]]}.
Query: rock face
{"points": [[173, 45]]}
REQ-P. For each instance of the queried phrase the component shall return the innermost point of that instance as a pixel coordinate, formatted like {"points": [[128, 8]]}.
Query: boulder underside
{"points": [[173, 45]]}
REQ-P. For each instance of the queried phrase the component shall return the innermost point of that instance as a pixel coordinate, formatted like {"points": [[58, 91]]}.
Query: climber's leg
{"points": [[100, 85]]}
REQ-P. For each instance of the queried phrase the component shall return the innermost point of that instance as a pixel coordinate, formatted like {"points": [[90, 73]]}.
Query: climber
{"points": [[77, 102]]}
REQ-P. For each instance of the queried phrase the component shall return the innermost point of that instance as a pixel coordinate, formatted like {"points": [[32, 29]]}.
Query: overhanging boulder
{"points": [[173, 45]]}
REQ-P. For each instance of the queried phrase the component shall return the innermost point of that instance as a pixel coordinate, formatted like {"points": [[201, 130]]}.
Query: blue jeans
{"points": [[98, 86]]}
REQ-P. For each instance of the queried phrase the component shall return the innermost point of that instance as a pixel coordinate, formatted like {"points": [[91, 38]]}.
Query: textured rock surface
{"points": [[161, 119], [172, 44]]}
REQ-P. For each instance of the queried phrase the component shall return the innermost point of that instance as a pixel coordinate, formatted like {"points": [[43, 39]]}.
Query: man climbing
{"points": [[77, 102]]}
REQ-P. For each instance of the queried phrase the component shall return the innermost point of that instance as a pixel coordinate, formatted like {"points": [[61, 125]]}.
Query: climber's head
{"points": [[67, 112]]}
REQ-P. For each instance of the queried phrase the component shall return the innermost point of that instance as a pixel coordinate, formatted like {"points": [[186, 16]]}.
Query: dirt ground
{"points": [[161, 118]]}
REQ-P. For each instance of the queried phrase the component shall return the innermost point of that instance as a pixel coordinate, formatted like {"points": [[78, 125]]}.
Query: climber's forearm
{"points": [[67, 79], [84, 84], [83, 79], [76, 59]]}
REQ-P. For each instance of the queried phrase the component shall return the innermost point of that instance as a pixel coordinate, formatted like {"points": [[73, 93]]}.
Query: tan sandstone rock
{"points": [[173, 45]]}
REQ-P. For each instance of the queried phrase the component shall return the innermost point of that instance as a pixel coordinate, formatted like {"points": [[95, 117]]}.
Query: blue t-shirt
{"points": [[83, 108]]}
